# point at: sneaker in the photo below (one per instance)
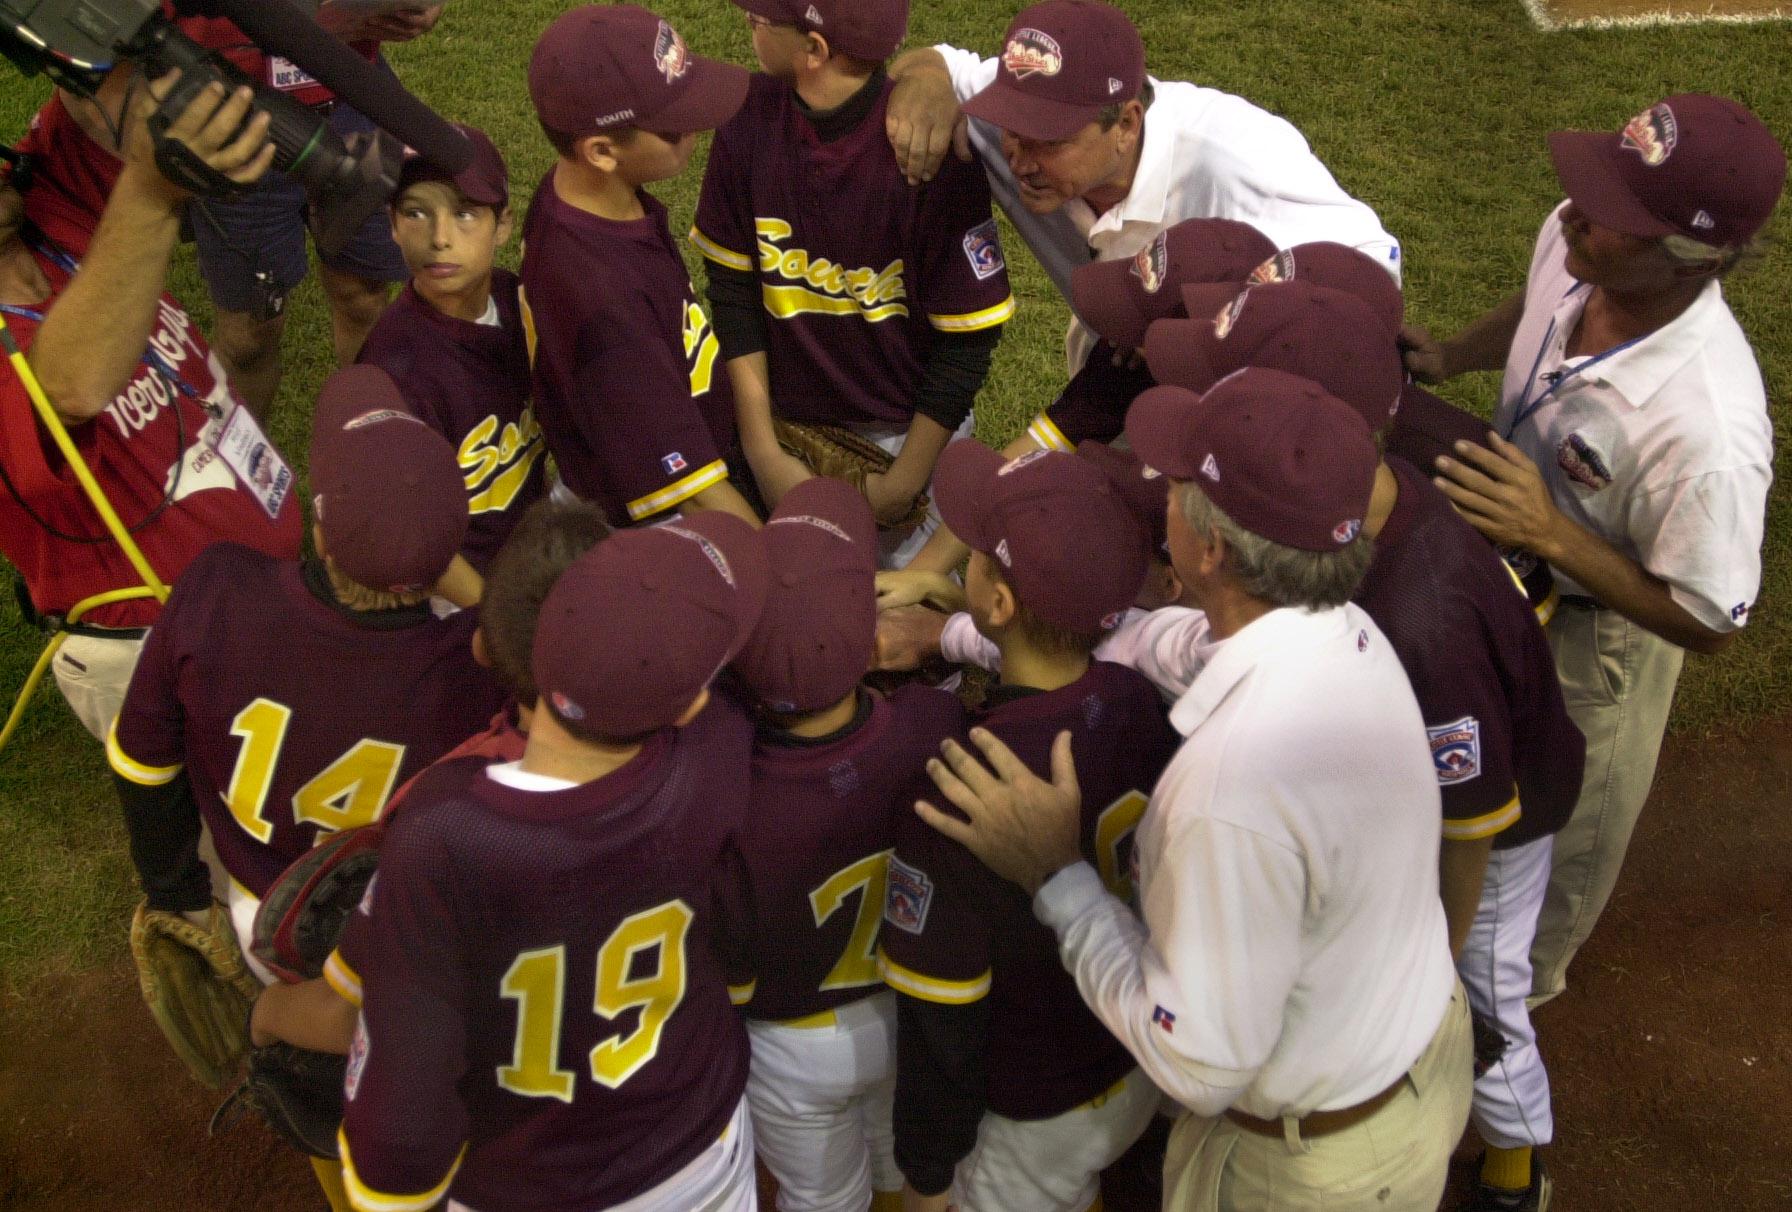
(1534, 1198)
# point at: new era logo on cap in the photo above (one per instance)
(669, 53)
(1210, 468)
(1703, 220)
(1031, 52)
(1652, 134)
(813, 16)
(1115, 85)
(1002, 554)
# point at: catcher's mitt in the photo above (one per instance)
(839, 453)
(301, 917)
(196, 986)
(298, 1092)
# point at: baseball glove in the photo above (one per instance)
(839, 453)
(297, 1091)
(196, 986)
(302, 915)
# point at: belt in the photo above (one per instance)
(1319, 1123)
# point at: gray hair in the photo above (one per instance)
(1720, 257)
(1270, 572)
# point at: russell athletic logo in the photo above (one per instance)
(669, 53)
(1652, 134)
(1032, 53)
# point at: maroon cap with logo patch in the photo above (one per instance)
(1062, 63)
(643, 622)
(1063, 536)
(1341, 267)
(1145, 490)
(484, 180)
(1693, 165)
(865, 29)
(608, 65)
(385, 487)
(818, 632)
(1325, 335)
(1279, 456)
(1120, 299)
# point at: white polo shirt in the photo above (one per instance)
(1161, 644)
(1207, 154)
(1293, 955)
(1663, 448)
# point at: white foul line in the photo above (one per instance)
(1542, 18)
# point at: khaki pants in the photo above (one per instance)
(1618, 682)
(93, 672)
(1394, 1161)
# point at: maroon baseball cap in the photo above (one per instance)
(865, 29)
(818, 632)
(1064, 537)
(1325, 335)
(643, 622)
(1283, 459)
(1693, 165)
(605, 65)
(1145, 490)
(1062, 63)
(1120, 299)
(1341, 267)
(386, 489)
(485, 180)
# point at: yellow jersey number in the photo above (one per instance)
(351, 791)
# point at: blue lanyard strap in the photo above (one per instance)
(1527, 406)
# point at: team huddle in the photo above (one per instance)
(1312, 719)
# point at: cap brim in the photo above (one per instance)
(715, 94)
(741, 547)
(1585, 163)
(1176, 354)
(1100, 296)
(1003, 105)
(961, 489)
(1157, 425)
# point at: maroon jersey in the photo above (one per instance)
(955, 932)
(816, 846)
(470, 382)
(544, 1022)
(1093, 404)
(638, 414)
(291, 714)
(857, 268)
(1508, 757)
(153, 444)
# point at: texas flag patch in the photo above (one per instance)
(1456, 750)
(1164, 1019)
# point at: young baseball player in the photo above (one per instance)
(842, 295)
(834, 769)
(544, 1022)
(1010, 1095)
(453, 338)
(637, 414)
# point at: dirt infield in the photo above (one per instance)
(1671, 1053)
(1574, 14)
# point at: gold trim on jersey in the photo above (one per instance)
(1045, 431)
(720, 255)
(824, 287)
(343, 979)
(369, 1200)
(1475, 828)
(931, 988)
(678, 492)
(976, 321)
(129, 768)
(740, 995)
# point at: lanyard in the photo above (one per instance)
(1528, 406)
(152, 357)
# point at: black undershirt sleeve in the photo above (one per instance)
(939, 1088)
(957, 364)
(737, 310)
(164, 826)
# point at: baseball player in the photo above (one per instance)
(1010, 1096)
(637, 412)
(453, 338)
(842, 295)
(544, 1021)
(834, 769)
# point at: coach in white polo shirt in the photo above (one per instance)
(1290, 983)
(1090, 157)
(1637, 452)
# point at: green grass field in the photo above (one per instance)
(1433, 111)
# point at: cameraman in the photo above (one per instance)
(144, 399)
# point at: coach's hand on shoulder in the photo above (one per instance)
(908, 637)
(209, 127)
(1022, 827)
(1424, 354)
(922, 119)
